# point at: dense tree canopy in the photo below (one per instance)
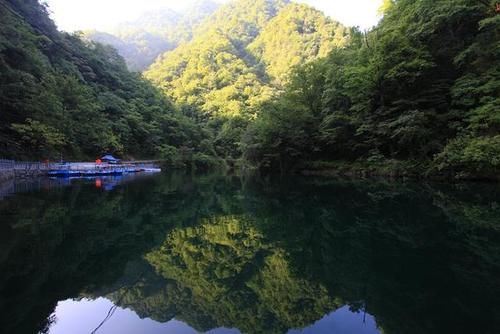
(297, 35)
(424, 85)
(141, 41)
(268, 83)
(61, 95)
(239, 58)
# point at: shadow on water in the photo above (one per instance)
(259, 256)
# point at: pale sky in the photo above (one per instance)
(73, 15)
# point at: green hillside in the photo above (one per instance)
(153, 33)
(64, 96)
(418, 95)
(244, 45)
(139, 48)
(268, 84)
(239, 58)
(297, 35)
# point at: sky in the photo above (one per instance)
(71, 15)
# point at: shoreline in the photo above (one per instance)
(388, 170)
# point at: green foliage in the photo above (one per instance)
(209, 74)
(274, 82)
(422, 85)
(141, 41)
(208, 259)
(471, 156)
(242, 20)
(63, 95)
(297, 35)
(284, 131)
(385, 6)
(39, 137)
(139, 49)
(239, 58)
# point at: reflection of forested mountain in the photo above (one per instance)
(258, 256)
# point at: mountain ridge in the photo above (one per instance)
(142, 40)
(233, 64)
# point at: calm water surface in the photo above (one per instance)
(190, 254)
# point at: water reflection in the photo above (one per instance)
(81, 317)
(222, 254)
(109, 182)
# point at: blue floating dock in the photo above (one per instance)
(92, 172)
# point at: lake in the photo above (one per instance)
(177, 253)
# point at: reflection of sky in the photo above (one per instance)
(82, 317)
(342, 321)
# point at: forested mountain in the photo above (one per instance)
(153, 33)
(139, 48)
(62, 96)
(267, 83)
(239, 58)
(295, 36)
(422, 87)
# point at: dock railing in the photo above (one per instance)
(33, 165)
(7, 164)
(11, 165)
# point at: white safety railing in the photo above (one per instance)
(6, 164)
(10, 165)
